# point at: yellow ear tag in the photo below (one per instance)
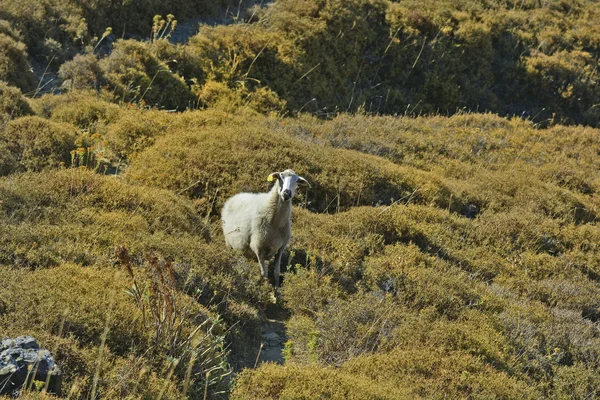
(270, 178)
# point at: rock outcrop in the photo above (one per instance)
(21, 360)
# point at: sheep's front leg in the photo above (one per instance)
(263, 265)
(277, 266)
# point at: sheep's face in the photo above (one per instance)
(287, 183)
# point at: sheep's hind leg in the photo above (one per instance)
(277, 270)
(276, 273)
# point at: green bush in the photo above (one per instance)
(135, 130)
(60, 22)
(576, 381)
(82, 216)
(200, 161)
(407, 58)
(535, 60)
(429, 373)
(565, 83)
(55, 31)
(69, 222)
(343, 329)
(430, 255)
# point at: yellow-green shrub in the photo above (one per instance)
(201, 160)
(34, 144)
(135, 130)
(239, 54)
(422, 280)
(411, 57)
(14, 67)
(407, 58)
(364, 323)
(272, 381)
(306, 292)
(566, 83)
(136, 76)
(12, 102)
(576, 381)
(57, 30)
(548, 339)
(82, 72)
(79, 298)
(427, 373)
(476, 274)
(79, 216)
(338, 48)
(85, 109)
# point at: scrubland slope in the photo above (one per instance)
(438, 253)
(430, 255)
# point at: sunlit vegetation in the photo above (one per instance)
(448, 245)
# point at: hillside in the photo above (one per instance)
(448, 246)
(528, 58)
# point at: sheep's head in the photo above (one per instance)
(287, 183)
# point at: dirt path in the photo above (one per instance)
(273, 339)
(273, 335)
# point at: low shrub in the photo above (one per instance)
(79, 216)
(576, 380)
(430, 255)
(34, 144)
(565, 82)
(86, 109)
(12, 103)
(135, 75)
(546, 339)
(272, 381)
(82, 72)
(199, 161)
(14, 67)
(429, 372)
(135, 130)
(343, 329)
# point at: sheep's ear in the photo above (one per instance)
(273, 176)
(302, 180)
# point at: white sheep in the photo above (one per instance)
(259, 224)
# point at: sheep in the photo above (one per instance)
(259, 224)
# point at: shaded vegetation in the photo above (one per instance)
(536, 60)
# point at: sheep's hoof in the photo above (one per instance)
(275, 296)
